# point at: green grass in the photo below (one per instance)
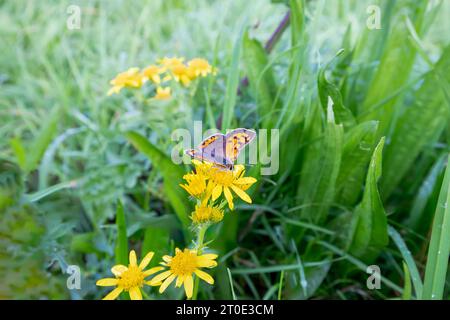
(363, 117)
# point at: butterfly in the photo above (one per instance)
(222, 149)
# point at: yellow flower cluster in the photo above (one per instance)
(159, 74)
(209, 182)
(181, 267)
(206, 184)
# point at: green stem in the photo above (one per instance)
(200, 240)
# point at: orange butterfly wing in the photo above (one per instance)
(236, 140)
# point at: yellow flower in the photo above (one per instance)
(224, 180)
(196, 184)
(200, 67)
(205, 214)
(131, 78)
(130, 279)
(162, 93)
(182, 267)
(152, 73)
(182, 74)
(170, 63)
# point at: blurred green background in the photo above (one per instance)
(358, 184)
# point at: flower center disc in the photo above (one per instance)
(183, 263)
(133, 277)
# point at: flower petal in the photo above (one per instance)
(132, 258)
(151, 271)
(144, 263)
(117, 270)
(217, 191)
(203, 275)
(135, 293)
(107, 282)
(160, 277)
(205, 263)
(113, 294)
(239, 170)
(229, 197)
(180, 280)
(210, 256)
(242, 194)
(167, 258)
(166, 283)
(189, 286)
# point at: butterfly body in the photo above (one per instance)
(222, 149)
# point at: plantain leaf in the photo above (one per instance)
(171, 173)
(319, 174)
(368, 233)
(357, 150)
(420, 125)
(328, 89)
(393, 71)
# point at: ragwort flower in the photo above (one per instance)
(182, 74)
(153, 73)
(200, 67)
(130, 279)
(131, 78)
(182, 267)
(225, 181)
(170, 63)
(196, 184)
(206, 214)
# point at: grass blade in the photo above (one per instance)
(43, 139)
(407, 287)
(50, 190)
(232, 84)
(439, 250)
(260, 78)
(408, 260)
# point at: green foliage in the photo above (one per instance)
(171, 173)
(260, 76)
(421, 124)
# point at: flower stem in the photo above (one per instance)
(200, 240)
